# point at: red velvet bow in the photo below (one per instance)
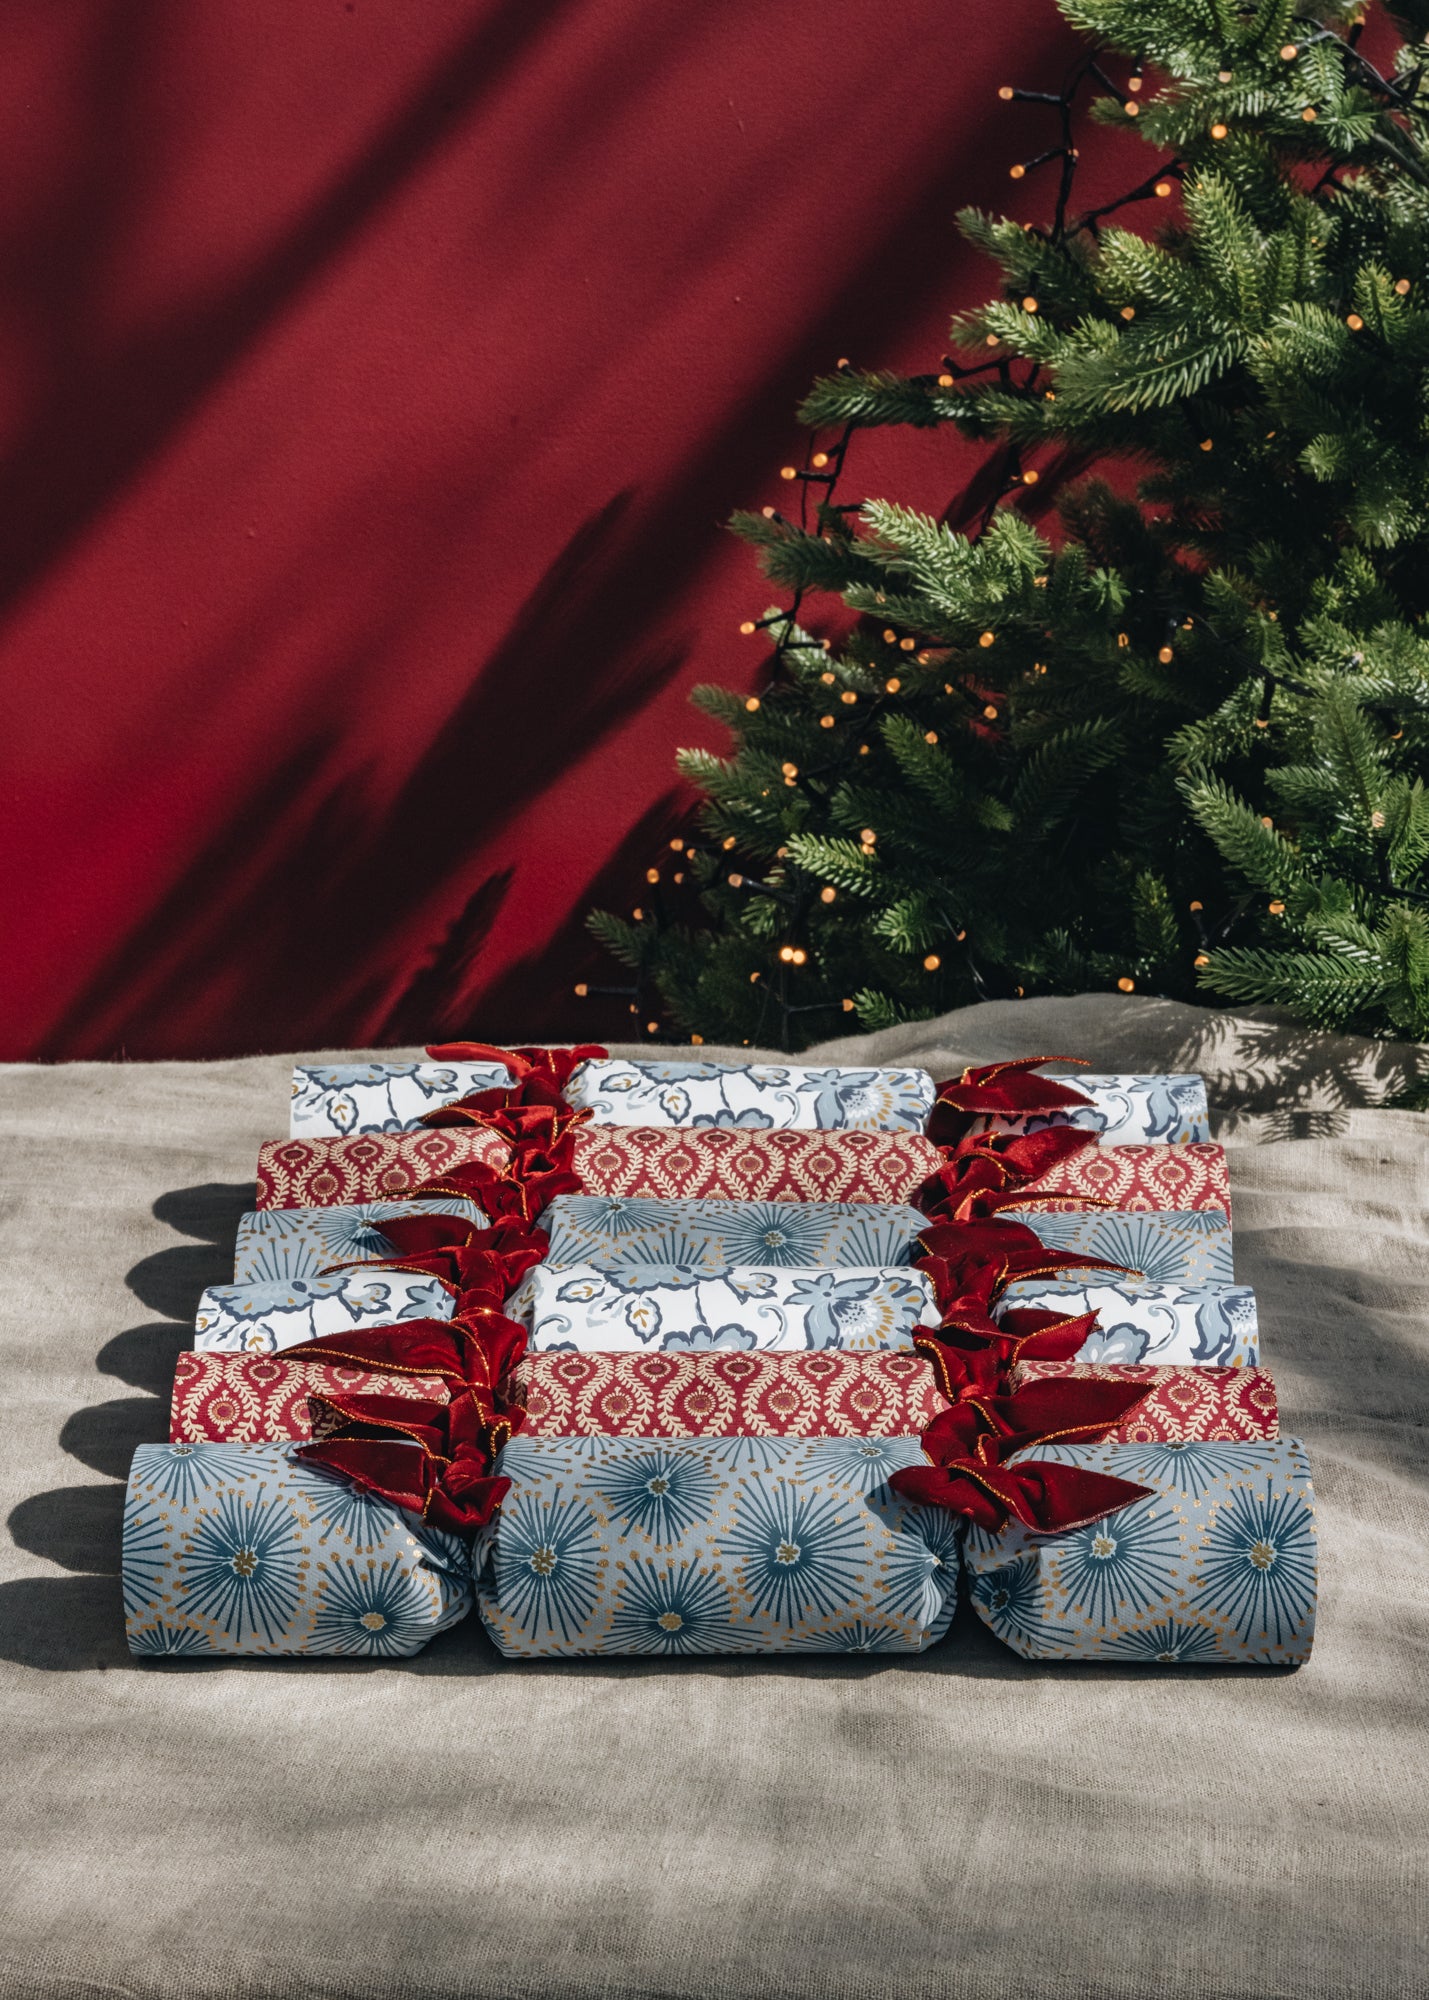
(959, 1253)
(1041, 1494)
(436, 1464)
(969, 1443)
(518, 1191)
(1009, 1089)
(433, 1459)
(467, 1354)
(487, 1262)
(538, 1075)
(973, 1353)
(988, 1172)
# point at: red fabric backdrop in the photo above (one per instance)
(374, 379)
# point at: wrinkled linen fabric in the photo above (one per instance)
(266, 1319)
(281, 1243)
(233, 1548)
(721, 1545)
(1179, 1325)
(1216, 1564)
(856, 1827)
(739, 1307)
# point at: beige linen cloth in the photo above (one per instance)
(959, 1824)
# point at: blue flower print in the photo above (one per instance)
(182, 1472)
(1013, 1602)
(381, 1609)
(748, 1283)
(1190, 1468)
(865, 1463)
(644, 1317)
(347, 1511)
(673, 1610)
(146, 1554)
(861, 1637)
(1168, 1644)
(675, 1103)
(1227, 1330)
(167, 1642)
(777, 1233)
(1124, 1343)
(547, 1567)
(748, 1120)
(613, 1215)
(646, 1277)
(662, 1494)
(368, 1297)
(860, 1313)
(580, 1291)
(1117, 1566)
(798, 1553)
(1257, 1568)
(241, 1569)
(708, 1339)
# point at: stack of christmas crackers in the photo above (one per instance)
(671, 1357)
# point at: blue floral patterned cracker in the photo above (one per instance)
(618, 1233)
(1125, 1110)
(713, 1545)
(1217, 1566)
(264, 1319)
(1210, 1326)
(278, 1244)
(739, 1306)
(753, 1096)
(332, 1100)
(241, 1549)
(1166, 1246)
(335, 1100)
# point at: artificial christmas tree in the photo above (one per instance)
(1181, 745)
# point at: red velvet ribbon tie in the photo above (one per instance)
(488, 1262)
(969, 1442)
(435, 1460)
(989, 1171)
(1006, 1089)
(538, 1075)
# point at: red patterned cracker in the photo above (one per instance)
(372, 1166)
(1140, 1177)
(263, 1398)
(715, 1164)
(824, 1394)
(710, 1163)
(1185, 1405)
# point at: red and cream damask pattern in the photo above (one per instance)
(1184, 1405)
(259, 1398)
(714, 1164)
(825, 1394)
